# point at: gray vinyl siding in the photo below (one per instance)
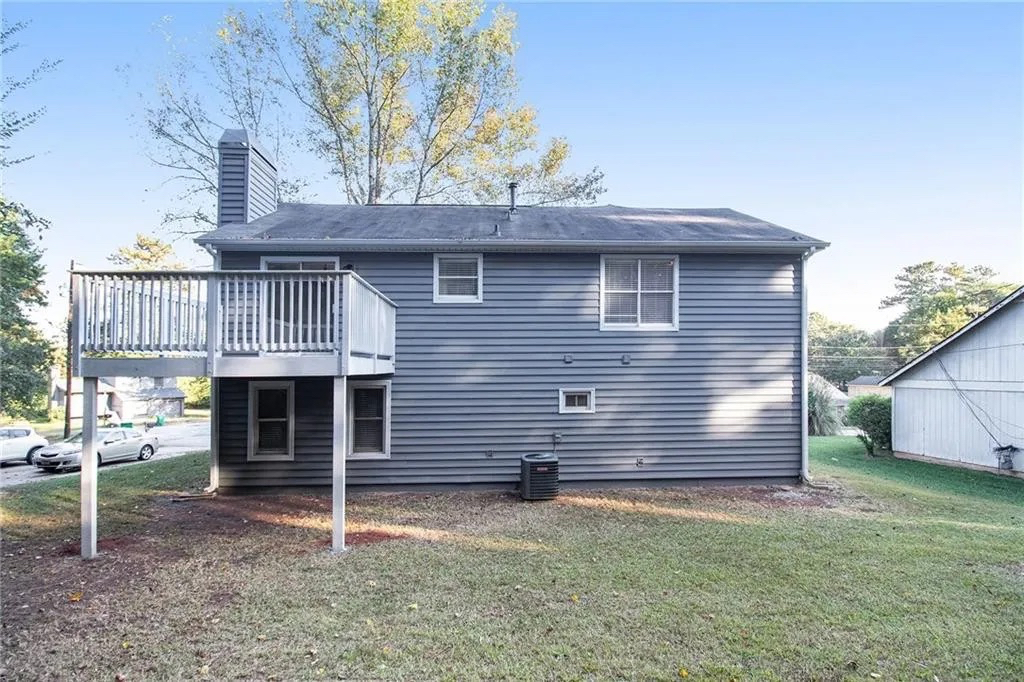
(312, 464)
(476, 385)
(247, 185)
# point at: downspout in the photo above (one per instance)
(214, 404)
(805, 474)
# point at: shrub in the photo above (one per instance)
(197, 392)
(823, 415)
(872, 414)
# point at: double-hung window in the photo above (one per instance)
(271, 420)
(369, 417)
(458, 278)
(639, 292)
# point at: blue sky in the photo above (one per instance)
(892, 130)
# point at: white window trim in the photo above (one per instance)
(251, 455)
(448, 298)
(592, 402)
(266, 260)
(352, 386)
(638, 326)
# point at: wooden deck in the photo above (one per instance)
(251, 323)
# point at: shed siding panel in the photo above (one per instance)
(931, 418)
(476, 385)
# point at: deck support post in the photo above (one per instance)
(89, 467)
(339, 448)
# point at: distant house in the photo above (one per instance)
(962, 401)
(106, 399)
(149, 397)
(867, 385)
(130, 397)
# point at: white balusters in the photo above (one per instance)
(253, 313)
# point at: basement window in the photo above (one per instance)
(271, 421)
(458, 278)
(576, 400)
(369, 418)
(639, 293)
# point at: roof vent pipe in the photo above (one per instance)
(512, 198)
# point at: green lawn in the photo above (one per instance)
(885, 567)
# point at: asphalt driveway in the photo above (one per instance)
(175, 440)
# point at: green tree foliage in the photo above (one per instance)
(146, 253)
(840, 352)
(872, 414)
(824, 417)
(197, 392)
(25, 355)
(937, 300)
(414, 100)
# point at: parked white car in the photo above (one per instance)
(112, 445)
(20, 443)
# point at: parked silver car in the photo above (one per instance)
(112, 445)
(19, 443)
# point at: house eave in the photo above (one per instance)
(548, 246)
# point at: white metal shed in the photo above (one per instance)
(964, 398)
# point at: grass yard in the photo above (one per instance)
(888, 568)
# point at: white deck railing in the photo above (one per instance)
(253, 312)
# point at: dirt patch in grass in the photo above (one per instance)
(1016, 570)
(725, 497)
(778, 497)
(104, 545)
(368, 537)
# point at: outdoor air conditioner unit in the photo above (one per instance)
(539, 476)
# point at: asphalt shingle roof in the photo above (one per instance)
(490, 225)
(865, 380)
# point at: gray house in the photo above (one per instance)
(433, 345)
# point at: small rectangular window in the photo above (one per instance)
(369, 412)
(576, 400)
(458, 278)
(639, 292)
(271, 420)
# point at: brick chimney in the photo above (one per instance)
(246, 179)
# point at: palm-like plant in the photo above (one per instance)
(823, 415)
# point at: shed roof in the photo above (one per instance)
(466, 227)
(865, 380)
(966, 329)
(159, 392)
